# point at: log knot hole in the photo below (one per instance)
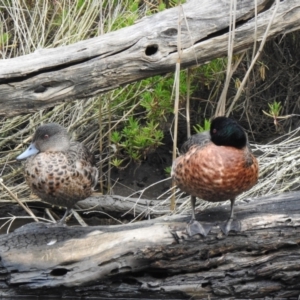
(170, 31)
(151, 50)
(44, 86)
(59, 272)
(40, 89)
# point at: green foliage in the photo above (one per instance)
(80, 4)
(4, 38)
(274, 112)
(158, 101)
(275, 109)
(168, 171)
(161, 6)
(198, 128)
(116, 162)
(142, 131)
(130, 15)
(213, 71)
(136, 140)
(115, 137)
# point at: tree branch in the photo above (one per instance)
(88, 68)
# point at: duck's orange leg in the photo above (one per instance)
(194, 227)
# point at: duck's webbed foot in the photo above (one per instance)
(194, 227)
(230, 225)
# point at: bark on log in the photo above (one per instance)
(155, 259)
(87, 68)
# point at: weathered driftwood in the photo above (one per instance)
(125, 205)
(155, 259)
(87, 68)
(122, 205)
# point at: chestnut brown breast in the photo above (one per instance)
(215, 173)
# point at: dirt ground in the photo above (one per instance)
(137, 177)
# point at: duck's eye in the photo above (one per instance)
(46, 136)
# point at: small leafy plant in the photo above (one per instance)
(274, 112)
(275, 109)
(168, 170)
(142, 132)
(198, 128)
(135, 140)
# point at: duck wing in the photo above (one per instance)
(81, 158)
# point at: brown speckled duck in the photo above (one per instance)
(57, 170)
(215, 165)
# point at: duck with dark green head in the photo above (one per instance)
(215, 165)
(59, 171)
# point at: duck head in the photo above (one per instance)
(227, 132)
(48, 138)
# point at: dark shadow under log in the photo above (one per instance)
(156, 259)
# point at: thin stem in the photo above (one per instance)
(28, 210)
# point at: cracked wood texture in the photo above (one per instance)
(155, 259)
(149, 47)
(115, 204)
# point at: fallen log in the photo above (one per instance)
(149, 47)
(155, 259)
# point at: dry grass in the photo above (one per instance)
(45, 24)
